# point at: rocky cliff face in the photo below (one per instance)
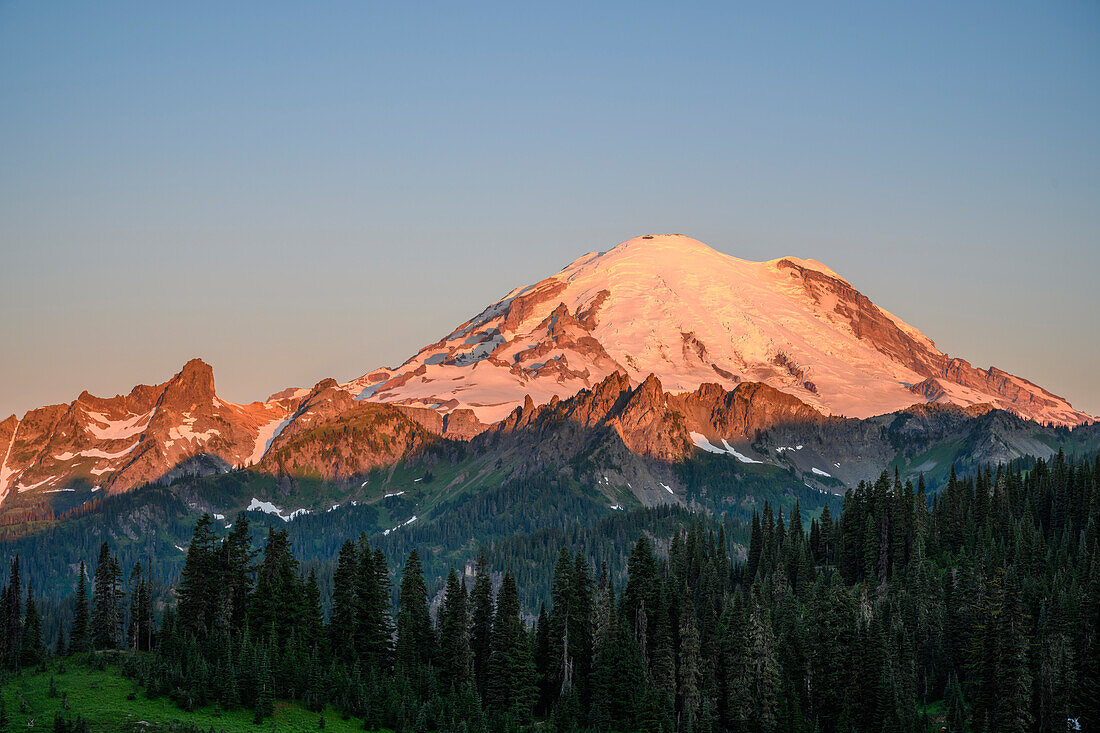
(636, 434)
(113, 444)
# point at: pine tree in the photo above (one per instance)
(33, 650)
(198, 585)
(276, 606)
(61, 649)
(641, 595)
(106, 621)
(342, 622)
(510, 681)
(481, 624)
(236, 567)
(313, 615)
(415, 638)
(140, 611)
(764, 665)
(688, 669)
(455, 657)
(80, 636)
(374, 627)
(11, 609)
(560, 655)
(618, 683)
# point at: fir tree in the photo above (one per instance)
(342, 622)
(198, 585)
(106, 620)
(33, 650)
(415, 640)
(510, 680)
(455, 656)
(80, 637)
(481, 623)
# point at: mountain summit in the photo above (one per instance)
(671, 306)
(665, 319)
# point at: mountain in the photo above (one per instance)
(671, 306)
(152, 433)
(645, 355)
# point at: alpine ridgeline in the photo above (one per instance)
(765, 353)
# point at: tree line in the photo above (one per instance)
(977, 608)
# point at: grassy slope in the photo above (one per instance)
(101, 698)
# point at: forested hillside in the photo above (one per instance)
(977, 608)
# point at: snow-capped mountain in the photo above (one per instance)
(679, 326)
(671, 306)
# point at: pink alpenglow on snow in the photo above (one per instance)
(670, 305)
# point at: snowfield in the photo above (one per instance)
(672, 306)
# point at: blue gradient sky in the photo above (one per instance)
(301, 190)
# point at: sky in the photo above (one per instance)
(294, 191)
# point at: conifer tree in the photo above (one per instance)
(198, 585)
(236, 567)
(342, 622)
(455, 657)
(80, 637)
(11, 609)
(61, 648)
(313, 615)
(415, 639)
(106, 620)
(140, 631)
(688, 666)
(276, 606)
(33, 650)
(372, 597)
(510, 680)
(561, 658)
(481, 623)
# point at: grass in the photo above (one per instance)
(103, 699)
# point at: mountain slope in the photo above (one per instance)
(120, 442)
(671, 306)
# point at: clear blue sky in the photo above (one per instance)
(301, 190)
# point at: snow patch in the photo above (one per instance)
(739, 456)
(104, 428)
(667, 488)
(95, 453)
(268, 508)
(43, 482)
(819, 472)
(406, 523)
(701, 441)
(265, 437)
(184, 430)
